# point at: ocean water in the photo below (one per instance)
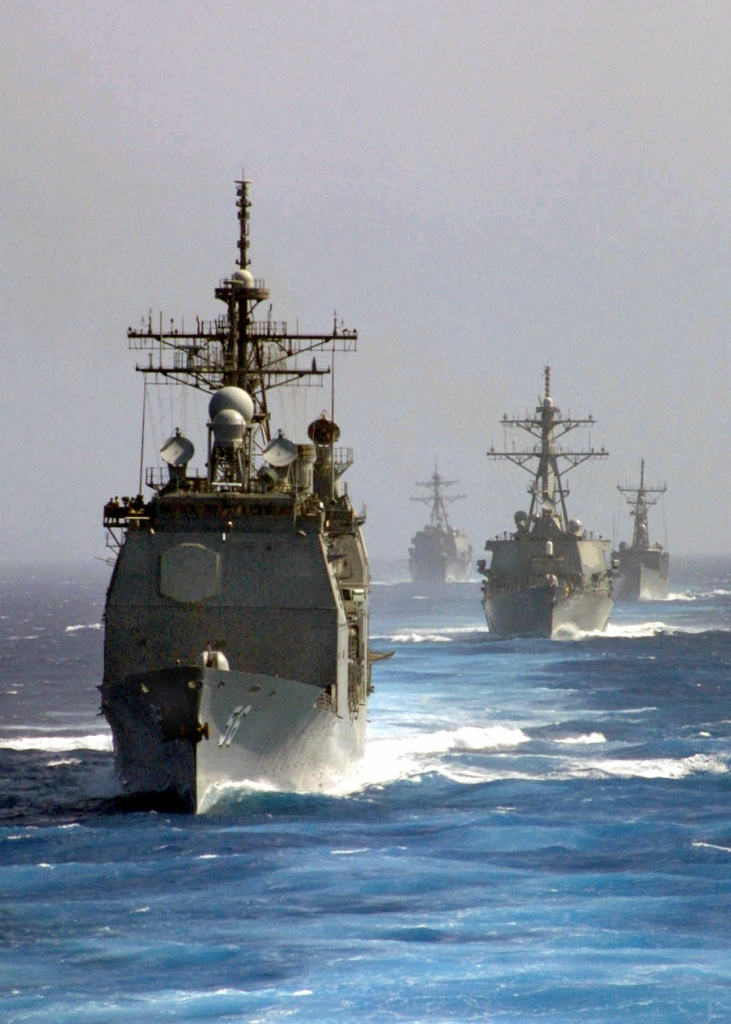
(540, 832)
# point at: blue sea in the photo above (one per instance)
(540, 832)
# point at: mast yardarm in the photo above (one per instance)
(641, 500)
(437, 501)
(547, 489)
(238, 349)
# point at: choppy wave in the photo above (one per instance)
(58, 744)
(634, 631)
(641, 629)
(412, 757)
(698, 595)
(566, 633)
(89, 625)
(652, 768)
(588, 738)
(418, 638)
(439, 635)
(391, 760)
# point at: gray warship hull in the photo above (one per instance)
(541, 612)
(188, 733)
(535, 588)
(642, 575)
(438, 556)
(289, 712)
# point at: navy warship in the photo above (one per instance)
(236, 619)
(549, 574)
(439, 553)
(642, 569)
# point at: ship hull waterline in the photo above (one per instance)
(187, 734)
(439, 571)
(641, 583)
(542, 613)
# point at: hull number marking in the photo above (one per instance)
(232, 724)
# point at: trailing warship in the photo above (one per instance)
(236, 620)
(642, 569)
(439, 553)
(549, 573)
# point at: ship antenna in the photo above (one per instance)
(142, 439)
(547, 378)
(332, 406)
(243, 201)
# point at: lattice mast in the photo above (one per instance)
(547, 489)
(236, 348)
(641, 500)
(437, 501)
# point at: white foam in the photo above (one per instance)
(712, 846)
(59, 744)
(90, 625)
(652, 768)
(418, 638)
(640, 629)
(409, 757)
(591, 737)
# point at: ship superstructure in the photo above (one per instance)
(439, 553)
(549, 574)
(642, 568)
(236, 620)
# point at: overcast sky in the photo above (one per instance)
(480, 188)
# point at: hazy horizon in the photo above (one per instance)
(480, 190)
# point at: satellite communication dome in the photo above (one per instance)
(242, 278)
(234, 398)
(229, 427)
(548, 402)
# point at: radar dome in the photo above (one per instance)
(242, 278)
(228, 426)
(231, 398)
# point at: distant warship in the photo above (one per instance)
(439, 553)
(549, 573)
(236, 620)
(642, 569)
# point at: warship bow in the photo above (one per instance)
(236, 619)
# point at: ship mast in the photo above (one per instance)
(438, 501)
(547, 489)
(641, 501)
(237, 349)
